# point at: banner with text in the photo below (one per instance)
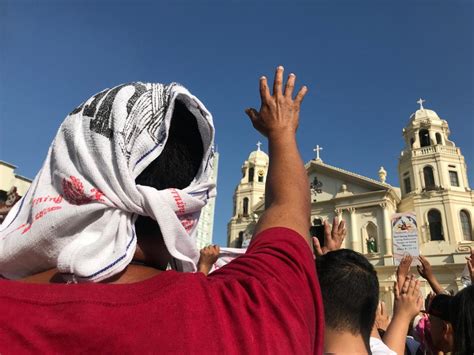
(405, 236)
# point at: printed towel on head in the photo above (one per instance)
(80, 210)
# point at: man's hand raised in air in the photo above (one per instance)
(333, 237)
(287, 199)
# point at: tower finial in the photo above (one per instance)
(420, 101)
(258, 145)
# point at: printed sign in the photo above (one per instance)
(405, 236)
(226, 256)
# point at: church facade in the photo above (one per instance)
(434, 185)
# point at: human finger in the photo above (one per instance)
(290, 85)
(300, 96)
(264, 90)
(396, 291)
(406, 285)
(278, 82)
(411, 286)
(317, 247)
(327, 230)
(341, 226)
(334, 226)
(252, 113)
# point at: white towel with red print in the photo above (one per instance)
(80, 210)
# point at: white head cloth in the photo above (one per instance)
(80, 210)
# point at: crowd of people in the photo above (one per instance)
(85, 254)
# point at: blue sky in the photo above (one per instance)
(366, 63)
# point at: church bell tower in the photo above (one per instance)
(434, 184)
(248, 195)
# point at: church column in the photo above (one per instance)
(387, 228)
(422, 179)
(355, 238)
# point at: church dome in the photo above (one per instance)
(258, 154)
(424, 114)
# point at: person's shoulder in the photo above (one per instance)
(275, 236)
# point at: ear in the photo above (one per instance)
(448, 332)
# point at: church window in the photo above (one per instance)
(436, 225)
(453, 178)
(407, 184)
(240, 240)
(246, 206)
(424, 138)
(251, 173)
(429, 178)
(260, 175)
(466, 225)
(411, 142)
(438, 138)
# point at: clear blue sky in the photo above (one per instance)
(366, 64)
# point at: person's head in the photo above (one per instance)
(462, 308)
(350, 291)
(452, 322)
(441, 329)
(176, 167)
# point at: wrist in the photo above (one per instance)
(283, 136)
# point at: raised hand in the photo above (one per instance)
(333, 237)
(208, 256)
(408, 300)
(382, 319)
(425, 269)
(279, 113)
(403, 269)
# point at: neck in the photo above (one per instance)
(343, 342)
(132, 274)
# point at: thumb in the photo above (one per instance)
(252, 113)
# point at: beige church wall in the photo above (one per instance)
(8, 179)
(332, 185)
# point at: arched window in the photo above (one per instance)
(438, 138)
(466, 225)
(436, 225)
(251, 173)
(240, 240)
(429, 178)
(411, 142)
(424, 138)
(246, 206)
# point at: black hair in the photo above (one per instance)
(177, 164)
(350, 291)
(462, 319)
(181, 157)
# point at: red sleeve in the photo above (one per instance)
(280, 258)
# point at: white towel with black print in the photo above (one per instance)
(79, 212)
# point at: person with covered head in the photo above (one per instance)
(117, 200)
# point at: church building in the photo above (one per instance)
(434, 185)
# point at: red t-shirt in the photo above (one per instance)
(267, 301)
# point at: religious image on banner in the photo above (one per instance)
(405, 237)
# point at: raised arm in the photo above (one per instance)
(426, 272)
(287, 199)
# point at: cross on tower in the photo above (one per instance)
(258, 146)
(317, 150)
(420, 101)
